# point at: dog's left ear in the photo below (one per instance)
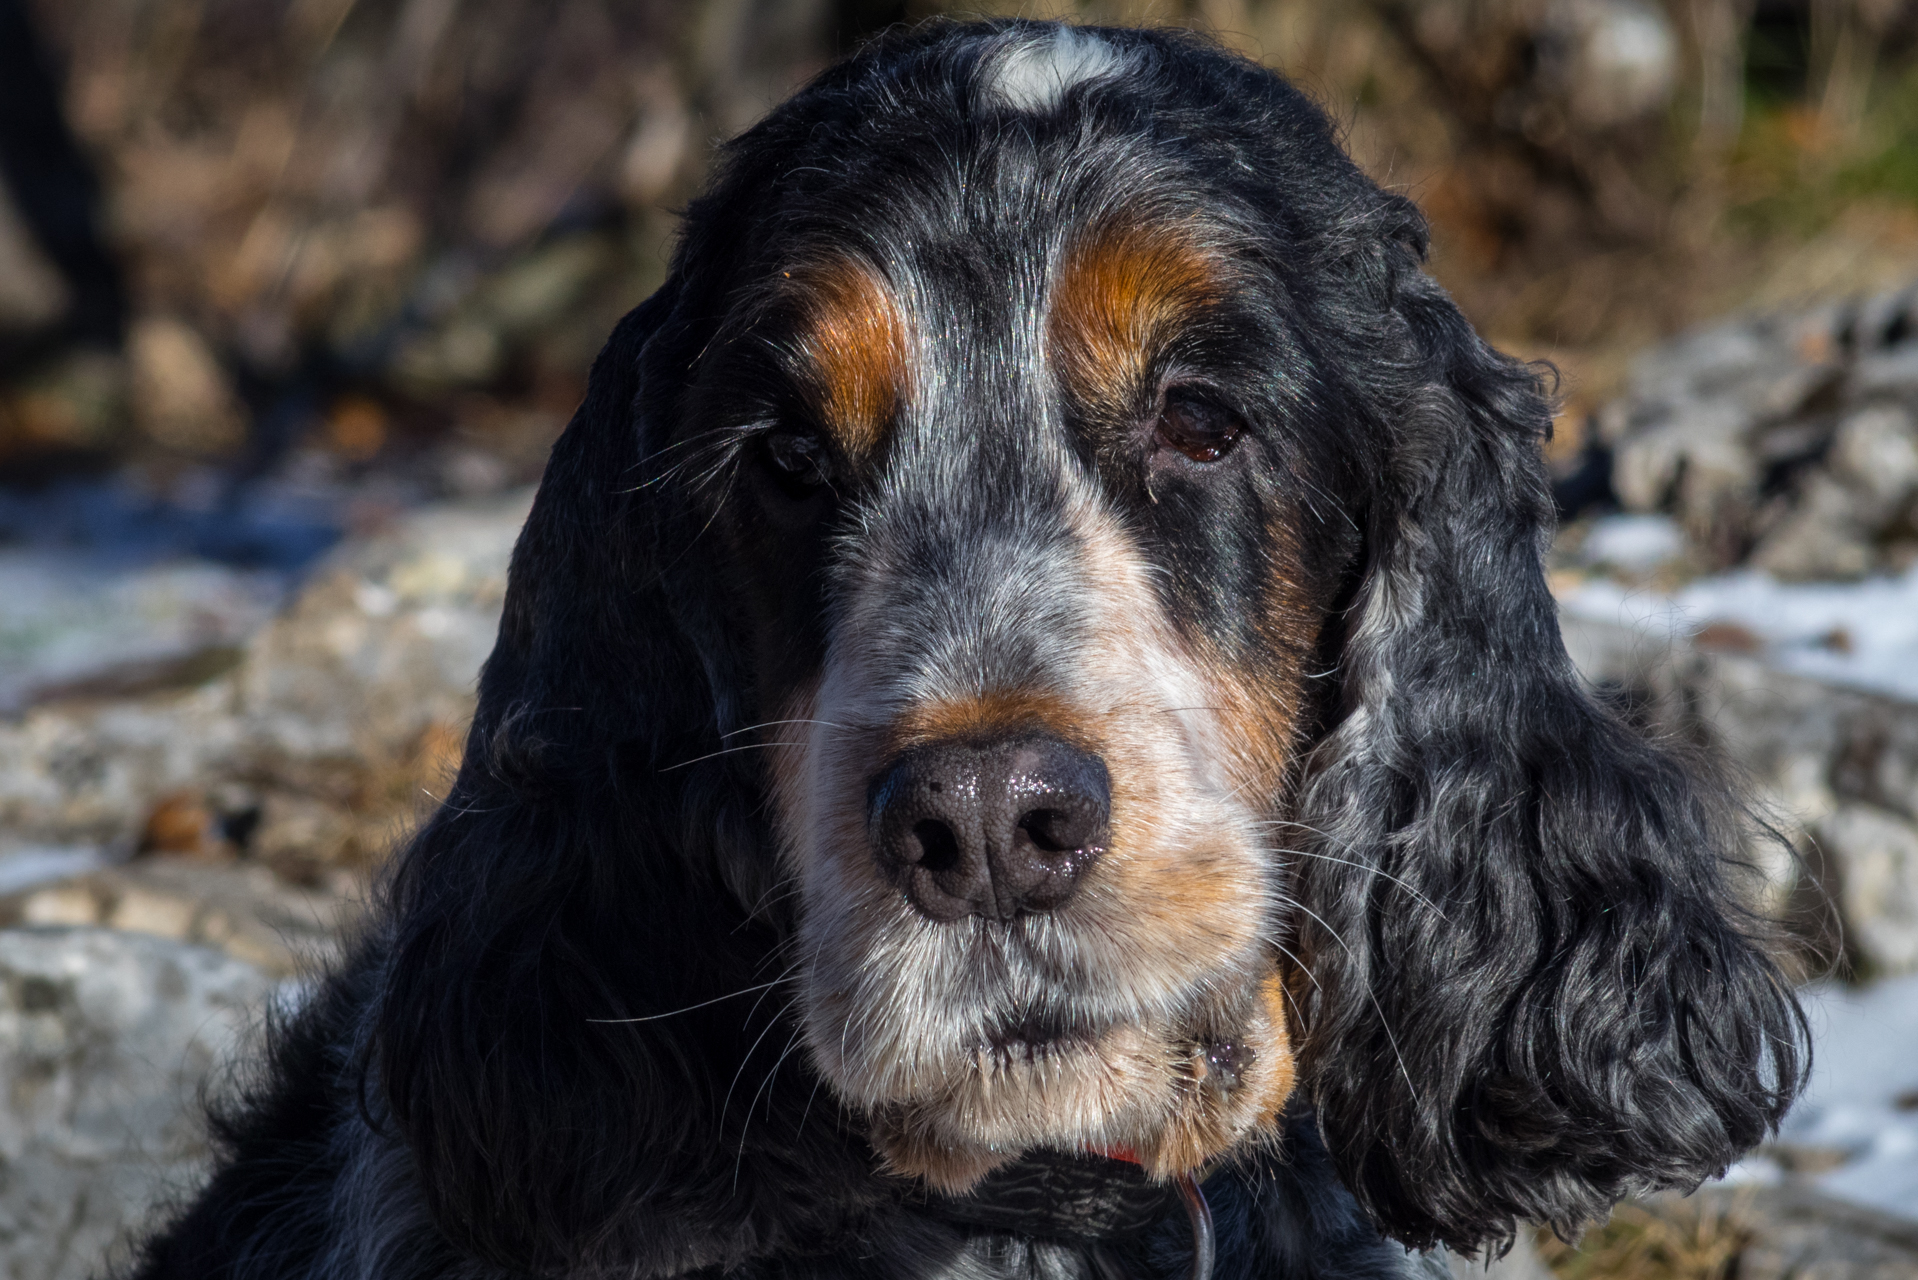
(1534, 987)
(557, 1013)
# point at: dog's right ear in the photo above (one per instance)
(1537, 982)
(558, 913)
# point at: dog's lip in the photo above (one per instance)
(1033, 1035)
(1219, 1059)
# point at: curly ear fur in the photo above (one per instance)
(1535, 990)
(573, 879)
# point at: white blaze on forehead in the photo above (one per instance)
(1032, 73)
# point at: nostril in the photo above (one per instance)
(938, 846)
(1050, 830)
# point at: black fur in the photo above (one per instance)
(1532, 989)
(1536, 993)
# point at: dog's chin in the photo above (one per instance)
(1171, 1097)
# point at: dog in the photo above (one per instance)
(1027, 708)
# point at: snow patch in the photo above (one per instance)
(26, 865)
(1863, 634)
(1862, 1103)
(1638, 543)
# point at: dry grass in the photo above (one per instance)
(1692, 1239)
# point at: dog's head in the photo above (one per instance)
(1053, 573)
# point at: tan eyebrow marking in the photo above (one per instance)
(1121, 293)
(852, 337)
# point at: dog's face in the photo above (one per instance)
(1052, 585)
(1017, 495)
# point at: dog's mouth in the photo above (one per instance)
(1219, 1062)
(1035, 1038)
(1168, 1093)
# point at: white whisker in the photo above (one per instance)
(674, 1013)
(726, 751)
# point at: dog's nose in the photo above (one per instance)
(990, 829)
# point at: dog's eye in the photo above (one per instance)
(1197, 427)
(799, 459)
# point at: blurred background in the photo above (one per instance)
(296, 294)
(386, 236)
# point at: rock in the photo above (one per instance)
(76, 627)
(656, 150)
(1823, 536)
(32, 294)
(1699, 363)
(89, 772)
(383, 648)
(1874, 454)
(1631, 544)
(1884, 319)
(465, 353)
(1877, 758)
(281, 928)
(514, 307)
(1611, 61)
(106, 1039)
(1888, 373)
(61, 904)
(297, 832)
(164, 915)
(352, 701)
(1704, 436)
(1786, 439)
(1785, 392)
(1699, 462)
(1795, 1233)
(181, 396)
(1876, 854)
